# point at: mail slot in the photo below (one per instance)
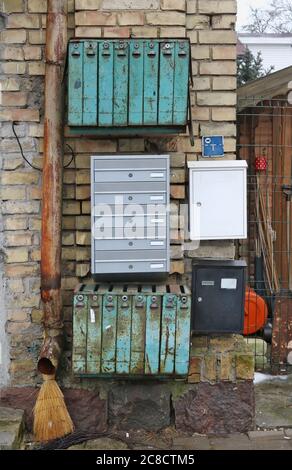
(128, 86)
(218, 296)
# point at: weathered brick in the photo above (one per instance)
(177, 176)
(218, 68)
(16, 255)
(130, 18)
(19, 207)
(214, 7)
(200, 52)
(168, 32)
(82, 192)
(15, 285)
(179, 5)
(12, 53)
(68, 222)
(14, 98)
(131, 145)
(35, 192)
(217, 37)
(177, 267)
(37, 6)
(21, 270)
(35, 254)
(209, 368)
(83, 254)
(224, 52)
(224, 83)
(226, 370)
(177, 191)
(90, 146)
(216, 99)
(13, 68)
(19, 115)
(163, 18)
(37, 37)
(86, 207)
(87, 4)
(83, 177)
(202, 83)
(130, 4)
(82, 269)
(19, 20)
(144, 32)
(83, 222)
(244, 366)
(224, 114)
(198, 22)
(177, 160)
(13, 37)
(32, 52)
(195, 369)
(88, 32)
(116, 32)
(36, 68)
(19, 177)
(71, 208)
(68, 238)
(17, 239)
(200, 113)
(35, 223)
(191, 6)
(36, 130)
(95, 18)
(225, 129)
(12, 193)
(83, 238)
(10, 84)
(15, 223)
(12, 6)
(223, 21)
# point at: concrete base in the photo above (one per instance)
(202, 408)
(274, 403)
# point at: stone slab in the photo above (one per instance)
(139, 406)
(258, 435)
(222, 408)
(274, 403)
(191, 443)
(234, 442)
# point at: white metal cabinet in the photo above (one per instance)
(218, 200)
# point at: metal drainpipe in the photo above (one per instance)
(51, 242)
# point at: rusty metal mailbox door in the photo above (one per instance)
(128, 86)
(131, 331)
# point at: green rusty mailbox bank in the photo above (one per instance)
(128, 87)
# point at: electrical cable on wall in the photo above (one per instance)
(14, 123)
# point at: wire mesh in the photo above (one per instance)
(265, 142)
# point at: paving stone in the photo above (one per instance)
(234, 442)
(191, 443)
(101, 444)
(11, 428)
(270, 444)
(255, 435)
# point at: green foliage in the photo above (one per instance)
(250, 68)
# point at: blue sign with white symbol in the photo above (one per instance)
(213, 146)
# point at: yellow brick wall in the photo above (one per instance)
(210, 26)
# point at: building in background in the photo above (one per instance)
(276, 49)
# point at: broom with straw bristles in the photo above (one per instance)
(51, 418)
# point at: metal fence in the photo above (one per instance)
(265, 142)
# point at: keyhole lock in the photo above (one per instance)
(200, 299)
(130, 198)
(199, 204)
(130, 175)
